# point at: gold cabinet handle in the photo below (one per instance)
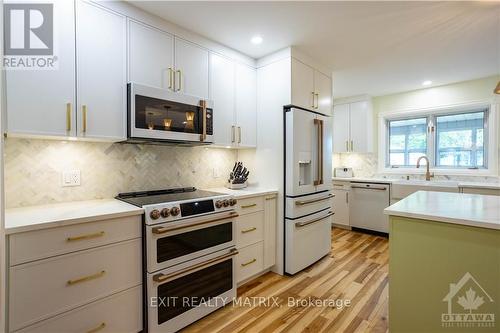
(346, 145)
(248, 230)
(239, 134)
(203, 135)
(84, 116)
(180, 79)
(270, 198)
(233, 134)
(352, 146)
(317, 100)
(98, 328)
(249, 262)
(86, 278)
(313, 95)
(171, 78)
(68, 117)
(249, 206)
(87, 236)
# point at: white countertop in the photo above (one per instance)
(492, 185)
(246, 192)
(467, 209)
(47, 216)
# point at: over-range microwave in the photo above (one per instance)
(161, 116)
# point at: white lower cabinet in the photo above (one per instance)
(341, 207)
(255, 236)
(77, 288)
(478, 190)
(116, 313)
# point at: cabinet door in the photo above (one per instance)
(361, 127)
(101, 66)
(341, 128)
(323, 89)
(191, 64)
(151, 56)
(270, 212)
(222, 89)
(246, 106)
(302, 85)
(341, 207)
(44, 111)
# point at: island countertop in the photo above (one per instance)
(475, 210)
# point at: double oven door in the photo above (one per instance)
(190, 269)
(161, 115)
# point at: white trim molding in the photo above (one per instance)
(493, 146)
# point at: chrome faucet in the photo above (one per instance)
(428, 175)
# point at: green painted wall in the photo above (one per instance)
(425, 258)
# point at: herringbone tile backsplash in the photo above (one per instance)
(33, 169)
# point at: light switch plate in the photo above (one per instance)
(71, 178)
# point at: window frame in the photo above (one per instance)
(490, 138)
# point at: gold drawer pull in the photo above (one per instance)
(248, 263)
(88, 236)
(248, 230)
(98, 328)
(248, 206)
(86, 278)
(270, 198)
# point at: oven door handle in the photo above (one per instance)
(162, 230)
(162, 278)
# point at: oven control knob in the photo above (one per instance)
(232, 202)
(218, 204)
(165, 212)
(175, 211)
(155, 214)
(225, 203)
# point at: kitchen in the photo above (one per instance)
(232, 158)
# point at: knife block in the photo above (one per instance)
(236, 186)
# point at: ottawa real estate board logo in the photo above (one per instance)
(29, 36)
(469, 305)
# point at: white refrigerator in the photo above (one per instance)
(308, 188)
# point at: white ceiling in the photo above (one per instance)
(373, 47)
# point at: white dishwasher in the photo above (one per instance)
(367, 204)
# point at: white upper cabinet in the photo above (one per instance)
(302, 85)
(361, 127)
(311, 89)
(191, 69)
(353, 127)
(323, 90)
(101, 67)
(151, 56)
(246, 105)
(222, 89)
(42, 102)
(341, 128)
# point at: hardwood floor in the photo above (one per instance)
(357, 270)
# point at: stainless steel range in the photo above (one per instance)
(189, 249)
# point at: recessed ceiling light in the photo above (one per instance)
(427, 83)
(256, 40)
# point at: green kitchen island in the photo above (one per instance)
(444, 263)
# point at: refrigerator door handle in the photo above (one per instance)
(319, 181)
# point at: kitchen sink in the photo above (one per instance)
(403, 188)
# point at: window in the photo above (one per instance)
(452, 140)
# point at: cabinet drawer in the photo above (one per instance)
(483, 191)
(250, 205)
(249, 229)
(45, 288)
(40, 244)
(121, 312)
(249, 261)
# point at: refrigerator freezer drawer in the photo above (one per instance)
(308, 239)
(307, 204)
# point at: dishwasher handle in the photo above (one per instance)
(370, 187)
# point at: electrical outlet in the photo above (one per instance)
(71, 178)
